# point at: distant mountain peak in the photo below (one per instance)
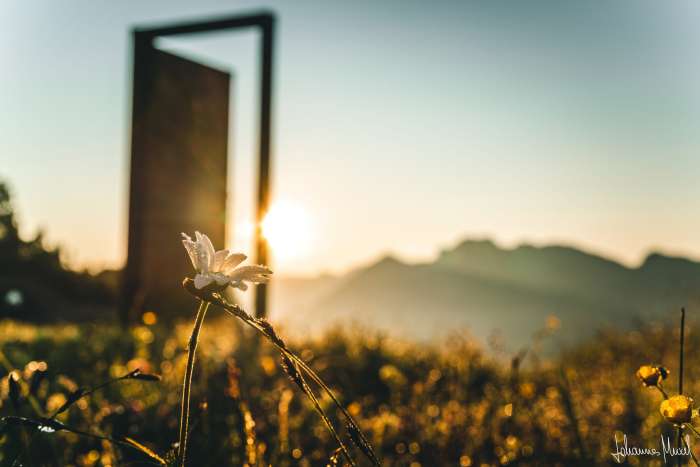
(653, 257)
(484, 286)
(388, 260)
(475, 243)
(485, 248)
(671, 263)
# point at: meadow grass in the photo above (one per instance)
(447, 403)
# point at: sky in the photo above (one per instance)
(401, 126)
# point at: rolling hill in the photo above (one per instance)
(487, 289)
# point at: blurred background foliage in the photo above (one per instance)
(420, 404)
(34, 285)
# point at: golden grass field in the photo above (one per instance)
(447, 403)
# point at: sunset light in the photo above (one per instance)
(287, 228)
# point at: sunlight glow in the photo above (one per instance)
(287, 228)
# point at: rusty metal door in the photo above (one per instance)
(178, 173)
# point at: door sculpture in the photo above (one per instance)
(179, 140)
(178, 171)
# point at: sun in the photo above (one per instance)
(287, 229)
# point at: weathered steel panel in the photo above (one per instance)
(178, 172)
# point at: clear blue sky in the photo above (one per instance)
(401, 126)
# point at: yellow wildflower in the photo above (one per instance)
(651, 375)
(677, 409)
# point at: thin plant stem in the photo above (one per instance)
(679, 434)
(309, 392)
(88, 392)
(302, 364)
(693, 429)
(571, 413)
(317, 379)
(187, 383)
(32, 400)
(67, 405)
(663, 392)
(52, 426)
(237, 311)
(680, 357)
(690, 450)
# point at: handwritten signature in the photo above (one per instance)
(666, 449)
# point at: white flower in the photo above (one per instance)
(219, 266)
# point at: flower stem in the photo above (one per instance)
(692, 455)
(693, 429)
(235, 310)
(680, 356)
(268, 332)
(680, 374)
(187, 383)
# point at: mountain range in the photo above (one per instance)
(493, 292)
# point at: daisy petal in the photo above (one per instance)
(201, 281)
(255, 274)
(191, 248)
(209, 247)
(220, 267)
(220, 278)
(218, 260)
(231, 262)
(204, 254)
